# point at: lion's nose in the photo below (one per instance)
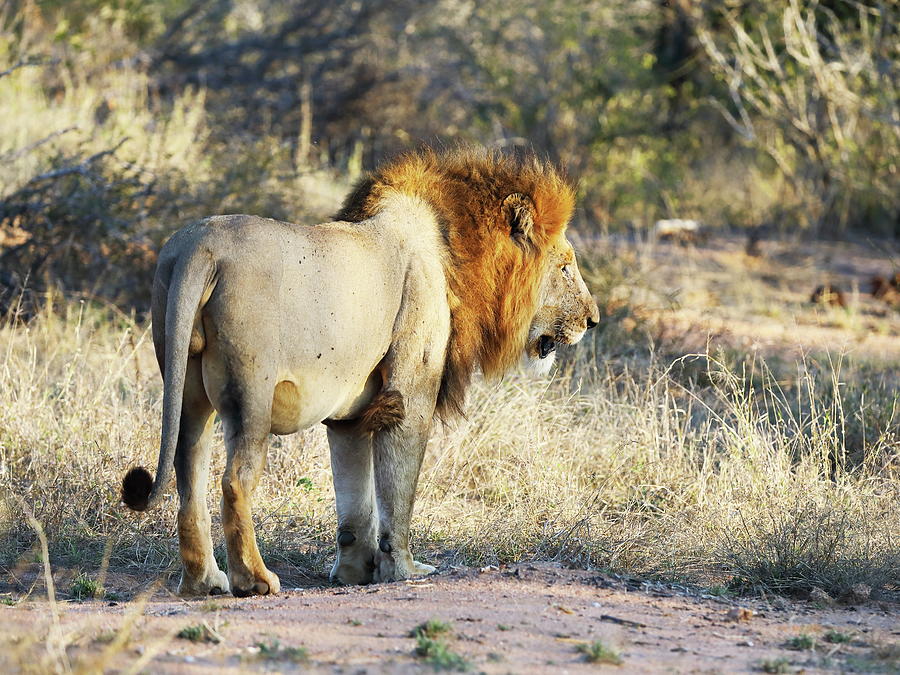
(591, 323)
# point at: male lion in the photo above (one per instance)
(437, 264)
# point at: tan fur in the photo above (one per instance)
(450, 262)
(886, 291)
(243, 553)
(285, 402)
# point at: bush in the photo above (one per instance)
(76, 228)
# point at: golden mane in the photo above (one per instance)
(493, 271)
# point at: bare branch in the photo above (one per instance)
(81, 167)
(33, 146)
(24, 63)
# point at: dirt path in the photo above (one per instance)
(524, 619)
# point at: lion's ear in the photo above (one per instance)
(519, 211)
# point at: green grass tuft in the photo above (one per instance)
(273, 651)
(597, 652)
(432, 628)
(200, 632)
(438, 655)
(837, 637)
(780, 665)
(85, 588)
(802, 642)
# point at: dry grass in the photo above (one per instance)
(79, 101)
(630, 458)
(628, 465)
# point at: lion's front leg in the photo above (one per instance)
(413, 368)
(354, 491)
(398, 459)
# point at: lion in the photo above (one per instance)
(438, 264)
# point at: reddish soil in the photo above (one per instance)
(522, 619)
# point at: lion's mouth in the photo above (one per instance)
(546, 346)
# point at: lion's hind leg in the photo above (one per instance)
(246, 439)
(354, 490)
(200, 574)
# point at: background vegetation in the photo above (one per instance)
(124, 119)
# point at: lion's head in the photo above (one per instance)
(514, 287)
(565, 312)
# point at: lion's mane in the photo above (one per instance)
(493, 279)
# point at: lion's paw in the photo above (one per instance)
(214, 582)
(263, 583)
(352, 572)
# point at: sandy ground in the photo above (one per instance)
(521, 619)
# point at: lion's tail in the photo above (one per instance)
(190, 279)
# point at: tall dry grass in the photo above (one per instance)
(626, 464)
(79, 102)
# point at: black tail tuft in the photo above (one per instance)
(136, 487)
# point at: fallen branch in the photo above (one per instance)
(81, 167)
(622, 622)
